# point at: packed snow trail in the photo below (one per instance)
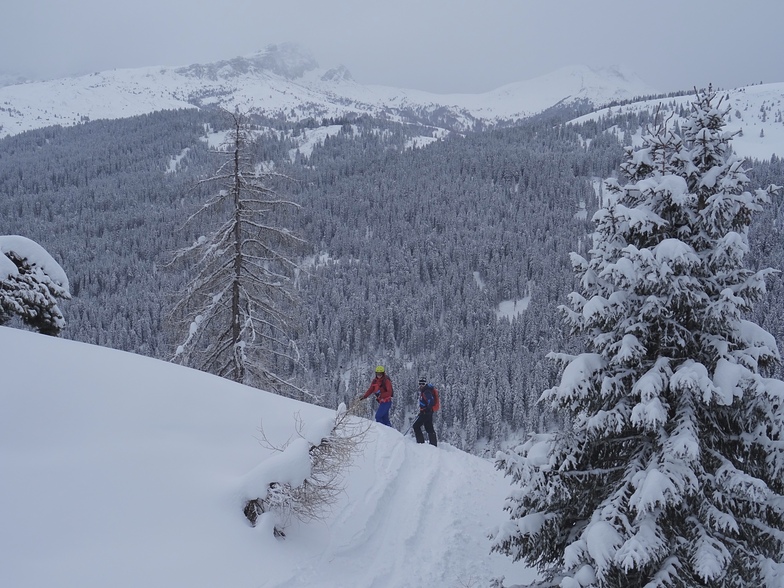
(412, 515)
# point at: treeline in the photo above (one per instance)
(413, 250)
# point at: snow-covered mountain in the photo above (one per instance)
(286, 80)
(756, 116)
(10, 79)
(120, 470)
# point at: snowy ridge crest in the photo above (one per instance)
(198, 452)
(285, 80)
(754, 117)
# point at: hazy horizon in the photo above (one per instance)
(470, 46)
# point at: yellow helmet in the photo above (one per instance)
(380, 369)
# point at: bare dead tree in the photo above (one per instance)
(240, 303)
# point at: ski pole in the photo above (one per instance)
(415, 415)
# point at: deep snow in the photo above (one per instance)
(120, 470)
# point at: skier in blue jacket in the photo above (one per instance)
(427, 401)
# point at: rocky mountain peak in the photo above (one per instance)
(337, 74)
(288, 60)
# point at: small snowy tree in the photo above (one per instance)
(672, 473)
(240, 301)
(31, 284)
(306, 476)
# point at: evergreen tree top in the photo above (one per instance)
(671, 473)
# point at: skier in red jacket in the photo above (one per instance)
(381, 386)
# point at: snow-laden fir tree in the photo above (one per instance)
(31, 285)
(240, 301)
(672, 471)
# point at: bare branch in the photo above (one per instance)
(329, 459)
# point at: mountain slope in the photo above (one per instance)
(755, 117)
(119, 470)
(286, 81)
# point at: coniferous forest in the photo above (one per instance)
(411, 251)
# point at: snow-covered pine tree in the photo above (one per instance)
(31, 285)
(240, 301)
(672, 472)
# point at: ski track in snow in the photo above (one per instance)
(415, 493)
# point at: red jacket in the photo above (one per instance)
(381, 386)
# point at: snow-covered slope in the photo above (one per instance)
(599, 86)
(9, 79)
(120, 470)
(286, 80)
(756, 111)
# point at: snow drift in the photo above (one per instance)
(120, 470)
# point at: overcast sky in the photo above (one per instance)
(435, 45)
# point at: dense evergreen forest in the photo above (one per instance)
(413, 250)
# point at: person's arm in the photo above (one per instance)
(369, 390)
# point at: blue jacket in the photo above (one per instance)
(426, 398)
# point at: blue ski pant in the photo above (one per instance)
(382, 413)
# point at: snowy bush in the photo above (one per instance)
(305, 476)
(31, 283)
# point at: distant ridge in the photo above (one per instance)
(756, 117)
(286, 80)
